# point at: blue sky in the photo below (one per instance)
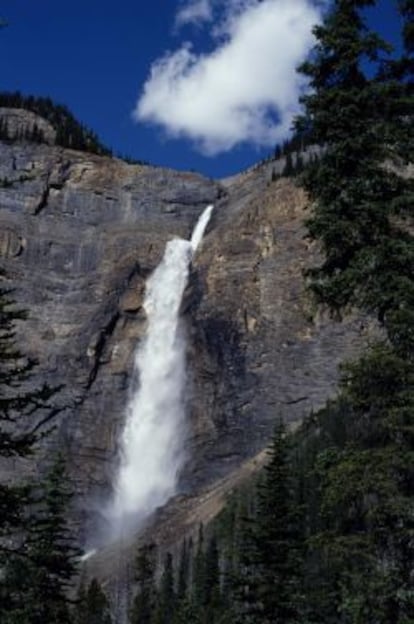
(96, 56)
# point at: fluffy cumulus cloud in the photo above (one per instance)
(246, 89)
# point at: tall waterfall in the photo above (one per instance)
(152, 440)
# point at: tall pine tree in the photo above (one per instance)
(44, 573)
(20, 405)
(360, 199)
(271, 568)
(93, 606)
(361, 109)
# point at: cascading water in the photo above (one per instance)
(152, 440)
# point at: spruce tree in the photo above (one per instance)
(269, 587)
(212, 596)
(359, 203)
(20, 405)
(183, 571)
(362, 205)
(278, 538)
(186, 611)
(93, 606)
(367, 489)
(199, 570)
(288, 169)
(51, 550)
(38, 575)
(166, 598)
(143, 607)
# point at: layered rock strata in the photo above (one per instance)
(79, 234)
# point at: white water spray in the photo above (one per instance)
(151, 443)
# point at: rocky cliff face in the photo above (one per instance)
(21, 122)
(79, 234)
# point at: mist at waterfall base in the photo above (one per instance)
(151, 444)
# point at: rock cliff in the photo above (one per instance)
(79, 234)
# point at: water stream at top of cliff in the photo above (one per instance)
(152, 440)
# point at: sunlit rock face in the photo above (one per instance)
(79, 236)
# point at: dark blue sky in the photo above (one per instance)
(94, 56)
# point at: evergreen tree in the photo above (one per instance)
(38, 577)
(69, 132)
(288, 169)
(277, 152)
(400, 74)
(166, 599)
(359, 203)
(93, 606)
(270, 585)
(143, 607)
(51, 550)
(212, 575)
(199, 570)
(183, 571)
(299, 165)
(367, 489)
(186, 612)
(362, 205)
(19, 404)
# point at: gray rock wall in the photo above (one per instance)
(79, 234)
(20, 121)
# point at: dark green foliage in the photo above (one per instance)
(295, 145)
(198, 580)
(362, 212)
(357, 458)
(19, 404)
(325, 536)
(274, 176)
(288, 169)
(299, 164)
(69, 132)
(166, 599)
(38, 574)
(212, 574)
(185, 612)
(93, 606)
(272, 549)
(183, 571)
(206, 580)
(356, 455)
(145, 601)
(50, 547)
(131, 160)
(294, 165)
(361, 206)
(36, 556)
(17, 401)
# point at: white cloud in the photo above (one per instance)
(194, 12)
(246, 89)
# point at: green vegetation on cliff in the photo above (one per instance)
(69, 132)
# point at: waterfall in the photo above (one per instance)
(152, 439)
